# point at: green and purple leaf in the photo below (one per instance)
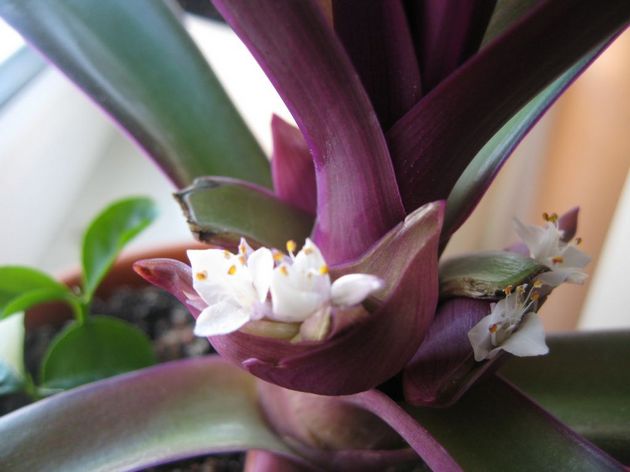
(354, 357)
(434, 142)
(585, 382)
(494, 427)
(356, 185)
(162, 414)
(222, 210)
(292, 167)
(377, 38)
(123, 55)
(482, 170)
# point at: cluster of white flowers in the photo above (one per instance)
(513, 324)
(267, 284)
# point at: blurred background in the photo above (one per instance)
(62, 161)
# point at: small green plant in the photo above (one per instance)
(90, 347)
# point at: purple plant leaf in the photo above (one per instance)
(436, 140)
(444, 366)
(357, 195)
(447, 33)
(292, 167)
(331, 433)
(173, 411)
(356, 357)
(376, 36)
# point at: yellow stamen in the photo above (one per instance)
(521, 289)
(535, 296)
(508, 290)
(201, 276)
(242, 248)
(291, 246)
(578, 241)
(283, 270)
(537, 284)
(552, 218)
(557, 260)
(277, 255)
(323, 270)
(241, 259)
(232, 270)
(493, 328)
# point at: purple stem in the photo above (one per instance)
(357, 195)
(431, 451)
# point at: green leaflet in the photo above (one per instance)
(98, 348)
(23, 287)
(485, 274)
(108, 233)
(220, 211)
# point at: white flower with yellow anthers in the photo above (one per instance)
(242, 287)
(546, 246)
(234, 286)
(301, 290)
(512, 326)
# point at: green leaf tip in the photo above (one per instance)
(108, 234)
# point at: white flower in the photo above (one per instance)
(234, 286)
(236, 289)
(301, 290)
(512, 326)
(546, 246)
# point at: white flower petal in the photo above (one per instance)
(309, 259)
(573, 257)
(260, 264)
(529, 339)
(221, 318)
(210, 273)
(479, 337)
(291, 300)
(553, 278)
(352, 289)
(530, 235)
